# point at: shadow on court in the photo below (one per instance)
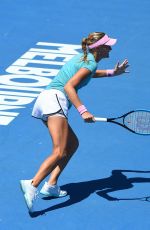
(102, 187)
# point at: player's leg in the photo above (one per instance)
(58, 128)
(71, 147)
(51, 188)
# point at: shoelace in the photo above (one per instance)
(36, 195)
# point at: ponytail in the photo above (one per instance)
(84, 48)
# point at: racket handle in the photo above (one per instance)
(100, 119)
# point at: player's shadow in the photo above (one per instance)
(102, 187)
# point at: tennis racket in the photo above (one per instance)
(136, 121)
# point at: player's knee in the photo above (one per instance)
(58, 152)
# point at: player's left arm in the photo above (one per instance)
(119, 69)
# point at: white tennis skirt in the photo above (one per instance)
(50, 102)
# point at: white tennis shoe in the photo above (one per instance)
(52, 191)
(30, 193)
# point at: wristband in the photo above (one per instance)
(110, 72)
(81, 109)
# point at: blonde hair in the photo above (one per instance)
(92, 38)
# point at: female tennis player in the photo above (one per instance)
(52, 106)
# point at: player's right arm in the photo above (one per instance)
(70, 89)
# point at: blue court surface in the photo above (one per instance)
(109, 176)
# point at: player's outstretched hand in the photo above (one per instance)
(121, 68)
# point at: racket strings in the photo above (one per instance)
(138, 121)
(142, 122)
